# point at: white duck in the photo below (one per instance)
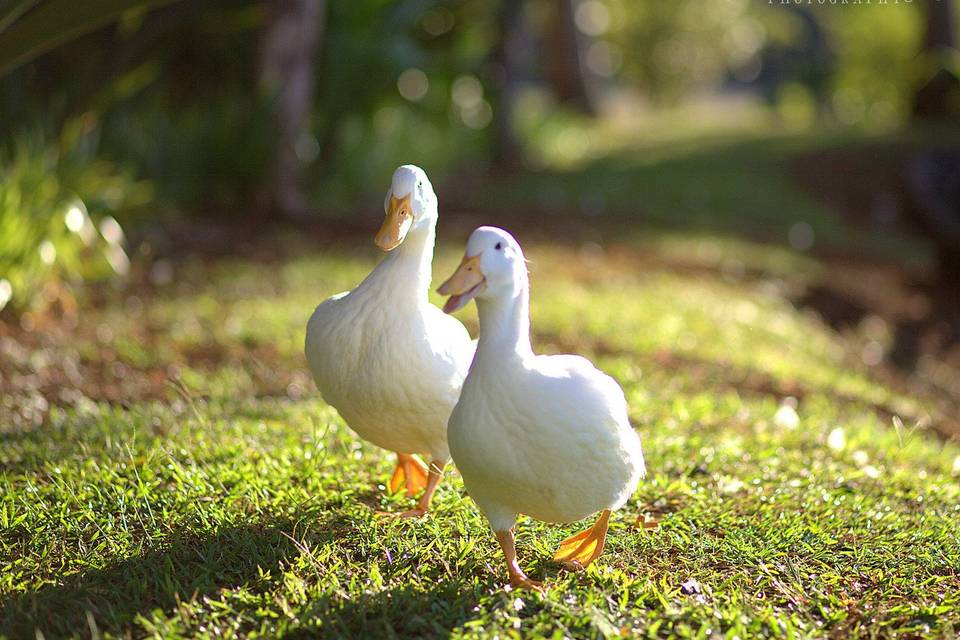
(389, 361)
(546, 436)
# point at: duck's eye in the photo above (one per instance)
(420, 184)
(499, 246)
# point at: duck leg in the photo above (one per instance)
(411, 473)
(580, 550)
(518, 579)
(434, 477)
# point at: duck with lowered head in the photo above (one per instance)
(391, 363)
(545, 436)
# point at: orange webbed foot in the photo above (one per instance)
(577, 552)
(410, 473)
(413, 473)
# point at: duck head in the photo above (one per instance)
(493, 266)
(410, 204)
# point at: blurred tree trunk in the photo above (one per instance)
(938, 95)
(565, 57)
(939, 27)
(290, 41)
(507, 55)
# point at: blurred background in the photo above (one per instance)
(137, 133)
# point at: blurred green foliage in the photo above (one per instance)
(878, 64)
(364, 125)
(167, 74)
(674, 48)
(859, 61)
(175, 97)
(176, 87)
(208, 156)
(59, 210)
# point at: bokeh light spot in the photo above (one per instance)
(307, 148)
(603, 59)
(477, 117)
(48, 252)
(467, 92)
(592, 18)
(6, 292)
(437, 22)
(413, 84)
(74, 218)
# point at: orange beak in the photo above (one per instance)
(466, 283)
(396, 225)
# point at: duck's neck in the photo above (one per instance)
(407, 270)
(505, 323)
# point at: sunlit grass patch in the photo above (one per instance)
(235, 502)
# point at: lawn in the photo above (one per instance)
(188, 480)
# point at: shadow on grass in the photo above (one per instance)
(404, 611)
(449, 604)
(192, 567)
(187, 568)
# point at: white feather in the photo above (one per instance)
(545, 436)
(389, 361)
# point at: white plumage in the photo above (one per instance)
(545, 436)
(389, 361)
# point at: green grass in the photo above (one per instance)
(230, 501)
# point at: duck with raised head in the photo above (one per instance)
(545, 436)
(391, 363)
